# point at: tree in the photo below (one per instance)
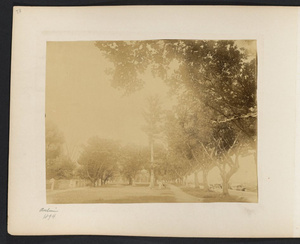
(153, 117)
(58, 165)
(176, 168)
(132, 161)
(62, 168)
(219, 77)
(130, 62)
(98, 159)
(188, 129)
(179, 152)
(160, 161)
(54, 141)
(219, 74)
(109, 173)
(227, 149)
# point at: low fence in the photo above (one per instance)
(66, 184)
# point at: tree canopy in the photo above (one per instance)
(218, 74)
(132, 160)
(99, 159)
(58, 165)
(214, 82)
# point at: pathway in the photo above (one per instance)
(181, 196)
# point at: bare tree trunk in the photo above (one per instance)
(129, 181)
(225, 179)
(226, 176)
(225, 186)
(152, 170)
(196, 181)
(151, 178)
(205, 182)
(93, 180)
(185, 180)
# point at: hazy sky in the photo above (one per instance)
(81, 102)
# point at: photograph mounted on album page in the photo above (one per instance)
(180, 125)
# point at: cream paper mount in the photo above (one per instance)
(53, 51)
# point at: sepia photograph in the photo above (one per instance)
(127, 125)
(151, 121)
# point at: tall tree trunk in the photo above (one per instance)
(151, 178)
(205, 182)
(196, 181)
(226, 176)
(152, 162)
(225, 186)
(92, 179)
(185, 180)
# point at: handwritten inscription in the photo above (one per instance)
(48, 213)
(49, 216)
(49, 210)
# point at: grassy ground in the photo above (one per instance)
(141, 193)
(211, 196)
(111, 194)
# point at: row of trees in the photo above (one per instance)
(212, 124)
(103, 159)
(181, 154)
(100, 159)
(214, 121)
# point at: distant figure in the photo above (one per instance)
(161, 185)
(52, 181)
